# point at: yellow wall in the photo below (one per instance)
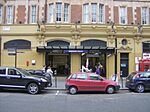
(75, 62)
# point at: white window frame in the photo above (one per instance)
(1, 14)
(123, 14)
(51, 13)
(58, 12)
(144, 15)
(86, 13)
(101, 13)
(33, 18)
(93, 12)
(10, 14)
(66, 13)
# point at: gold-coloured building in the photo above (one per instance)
(76, 36)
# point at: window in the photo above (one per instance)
(124, 42)
(9, 14)
(86, 13)
(101, 13)
(3, 71)
(73, 76)
(66, 12)
(94, 77)
(82, 76)
(51, 13)
(94, 12)
(144, 15)
(13, 72)
(33, 14)
(1, 14)
(123, 15)
(18, 44)
(58, 12)
(145, 75)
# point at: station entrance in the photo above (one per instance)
(93, 61)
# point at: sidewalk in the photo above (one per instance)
(59, 83)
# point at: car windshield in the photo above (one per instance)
(23, 71)
(131, 75)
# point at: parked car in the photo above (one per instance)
(11, 77)
(41, 73)
(90, 82)
(138, 81)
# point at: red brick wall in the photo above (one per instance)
(76, 13)
(130, 15)
(138, 15)
(116, 15)
(107, 9)
(21, 14)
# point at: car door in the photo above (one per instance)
(14, 78)
(82, 82)
(96, 83)
(147, 75)
(2, 77)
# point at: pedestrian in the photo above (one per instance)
(49, 71)
(98, 70)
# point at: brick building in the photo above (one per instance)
(72, 32)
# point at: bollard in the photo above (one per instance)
(55, 73)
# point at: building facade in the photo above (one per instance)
(67, 34)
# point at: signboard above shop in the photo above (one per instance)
(75, 51)
(146, 55)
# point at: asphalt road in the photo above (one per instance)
(60, 101)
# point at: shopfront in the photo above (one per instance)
(66, 58)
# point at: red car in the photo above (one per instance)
(90, 82)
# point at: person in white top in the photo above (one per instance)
(50, 72)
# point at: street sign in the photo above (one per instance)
(11, 51)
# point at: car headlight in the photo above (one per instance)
(43, 80)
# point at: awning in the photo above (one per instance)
(76, 49)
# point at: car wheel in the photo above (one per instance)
(110, 90)
(72, 90)
(140, 88)
(33, 88)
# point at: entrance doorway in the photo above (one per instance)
(124, 64)
(59, 62)
(95, 60)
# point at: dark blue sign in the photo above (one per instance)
(75, 51)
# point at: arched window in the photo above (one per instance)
(58, 43)
(94, 43)
(18, 44)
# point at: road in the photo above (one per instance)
(60, 101)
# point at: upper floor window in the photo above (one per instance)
(123, 15)
(93, 13)
(66, 12)
(144, 15)
(33, 14)
(86, 13)
(1, 9)
(9, 14)
(51, 13)
(58, 12)
(101, 13)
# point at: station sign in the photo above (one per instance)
(75, 51)
(11, 51)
